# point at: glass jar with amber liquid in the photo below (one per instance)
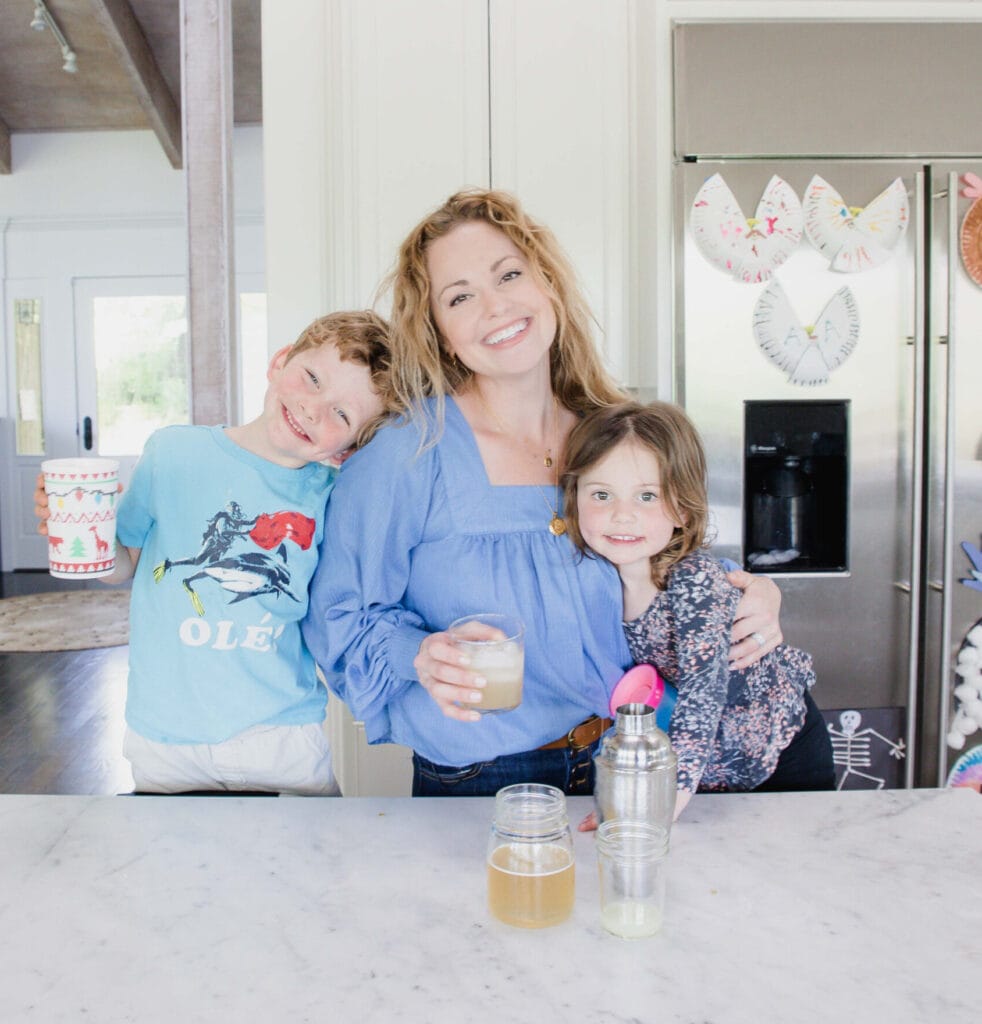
(530, 857)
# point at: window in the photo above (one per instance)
(27, 368)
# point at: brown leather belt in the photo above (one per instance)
(581, 735)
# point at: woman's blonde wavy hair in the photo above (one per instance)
(665, 431)
(423, 367)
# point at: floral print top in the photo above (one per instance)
(728, 728)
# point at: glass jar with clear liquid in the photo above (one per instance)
(530, 857)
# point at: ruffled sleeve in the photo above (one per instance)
(357, 628)
(701, 606)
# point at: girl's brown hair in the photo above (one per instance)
(665, 431)
(422, 366)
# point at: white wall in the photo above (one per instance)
(107, 204)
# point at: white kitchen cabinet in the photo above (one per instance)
(560, 129)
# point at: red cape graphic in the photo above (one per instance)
(271, 530)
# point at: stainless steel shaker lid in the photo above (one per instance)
(636, 743)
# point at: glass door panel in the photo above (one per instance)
(29, 424)
(133, 367)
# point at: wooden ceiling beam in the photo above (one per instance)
(126, 37)
(6, 164)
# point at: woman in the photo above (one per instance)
(456, 510)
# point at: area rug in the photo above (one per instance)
(69, 620)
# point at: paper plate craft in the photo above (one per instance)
(967, 770)
(967, 689)
(807, 353)
(971, 235)
(854, 238)
(746, 248)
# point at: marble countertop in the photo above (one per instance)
(781, 907)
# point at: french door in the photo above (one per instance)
(95, 375)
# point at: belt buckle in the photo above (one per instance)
(571, 739)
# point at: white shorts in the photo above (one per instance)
(292, 759)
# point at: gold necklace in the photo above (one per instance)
(557, 525)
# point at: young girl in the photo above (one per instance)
(634, 491)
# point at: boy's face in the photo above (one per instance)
(316, 403)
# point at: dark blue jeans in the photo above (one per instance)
(806, 762)
(568, 770)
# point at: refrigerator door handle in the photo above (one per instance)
(917, 478)
(948, 524)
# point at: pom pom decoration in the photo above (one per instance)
(973, 709)
(748, 249)
(956, 740)
(969, 656)
(854, 238)
(967, 693)
(806, 353)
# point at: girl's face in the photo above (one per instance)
(492, 313)
(621, 512)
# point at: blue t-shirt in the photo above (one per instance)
(420, 539)
(229, 544)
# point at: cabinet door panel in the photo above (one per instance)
(561, 141)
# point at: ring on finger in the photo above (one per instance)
(759, 637)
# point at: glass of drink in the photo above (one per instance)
(632, 857)
(495, 645)
(530, 857)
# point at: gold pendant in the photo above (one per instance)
(547, 461)
(557, 526)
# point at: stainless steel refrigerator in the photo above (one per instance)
(838, 393)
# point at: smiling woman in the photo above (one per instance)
(457, 511)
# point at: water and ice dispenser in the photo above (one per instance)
(796, 486)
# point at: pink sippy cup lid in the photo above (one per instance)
(639, 685)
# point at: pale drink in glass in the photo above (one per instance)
(495, 647)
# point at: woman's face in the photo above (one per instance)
(491, 312)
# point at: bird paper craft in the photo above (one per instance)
(975, 557)
(749, 249)
(806, 353)
(967, 689)
(971, 234)
(854, 238)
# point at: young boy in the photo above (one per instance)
(219, 529)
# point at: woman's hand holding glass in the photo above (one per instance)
(442, 671)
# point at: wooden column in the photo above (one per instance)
(6, 164)
(206, 104)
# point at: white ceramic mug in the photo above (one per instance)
(82, 495)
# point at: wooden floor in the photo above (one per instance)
(61, 713)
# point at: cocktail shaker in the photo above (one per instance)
(636, 770)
